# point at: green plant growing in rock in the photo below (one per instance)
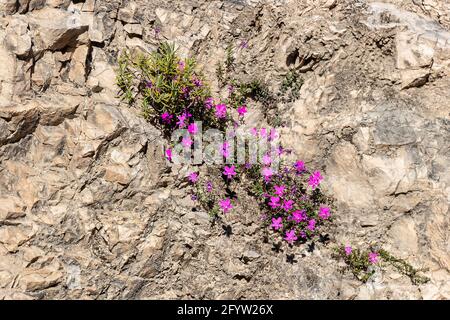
(169, 89)
(361, 263)
(291, 85)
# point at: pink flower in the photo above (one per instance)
(324, 212)
(300, 166)
(274, 202)
(187, 142)
(209, 102)
(263, 132)
(314, 179)
(197, 82)
(267, 160)
(348, 250)
(373, 257)
(267, 173)
(287, 205)
(254, 132)
(181, 121)
(273, 134)
(221, 111)
(166, 117)
(209, 186)
(311, 225)
(299, 216)
(169, 154)
(279, 190)
(225, 151)
(242, 110)
(229, 172)
(290, 236)
(193, 177)
(277, 223)
(193, 128)
(225, 205)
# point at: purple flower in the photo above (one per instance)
(209, 186)
(242, 110)
(287, 205)
(230, 88)
(229, 172)
(193, 128)
(277, 223)
(149, 84)
(273, 135)
(166, 117)
(197, 82)
(209, 102)
(373, 257)
(254, 132)
(314, 179)
(181, 121)
(225, 150)
(221, 111)
(300, 166)
(279, 190)
(187, 142)
(290, 236)
(324, 212)
(311, 225)
(274, 202)
(193, 177)
(267, 173)
(263, 132)
(225, 205)
(243, 44)
(185, 91)
(348, 250)
(299, 216)
(169, 154)
(267, 160)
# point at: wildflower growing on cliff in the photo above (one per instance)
(181, 121)
(254, 132)
(242, 110)
(273, 135)
(149, 84)
(209, 102)
(193, 177)
(274, 202)
(287, 205)
(193, 128)
(373, 257)
(311, 225)
(221, 111)
(279, 190)
(225, 205)
(263, 132)
(267, 160)
(197, 82)
(169, 154)
(290, 236)
(267, 173)
(299, 166)
(299, 216)
(229, 172)
(348, 250)
(166, 117)
(324, 212)
(225, 150)
(315, 179)
(209, 186)
(277, 223)
(187, 142)
(243, 44)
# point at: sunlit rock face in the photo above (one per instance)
(89, 208)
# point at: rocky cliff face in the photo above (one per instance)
(89, 208)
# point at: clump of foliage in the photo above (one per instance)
(291, 85)
(361, 263)
(169, 89)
